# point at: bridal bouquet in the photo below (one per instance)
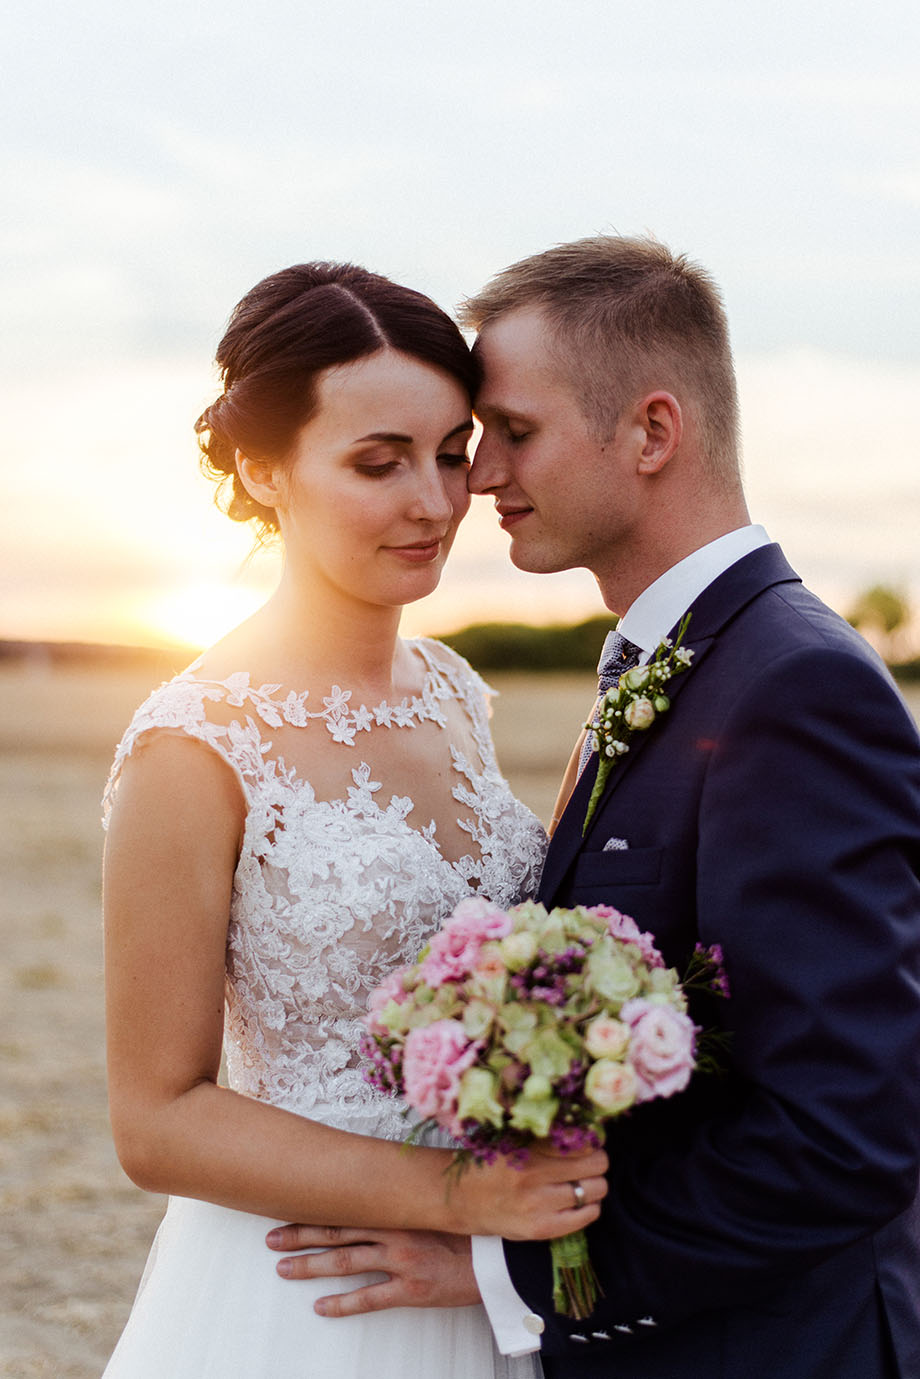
(528, 1024)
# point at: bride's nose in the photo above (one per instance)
(431, 501)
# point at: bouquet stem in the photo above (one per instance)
(575, 1285)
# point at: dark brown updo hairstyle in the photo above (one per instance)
(284, 333)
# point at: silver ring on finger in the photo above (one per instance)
(579, 1195)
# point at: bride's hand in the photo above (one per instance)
(537, 1200)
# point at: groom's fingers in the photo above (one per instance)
(301, 1237)
(374, 1298)
(337, 1263)
(424, 1271)
(422, 1268)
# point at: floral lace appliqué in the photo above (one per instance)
(330, 896)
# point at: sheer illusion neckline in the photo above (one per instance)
(332, 895)
(343, 719)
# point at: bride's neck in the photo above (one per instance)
(324, 638)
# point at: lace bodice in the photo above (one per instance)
(330, 895)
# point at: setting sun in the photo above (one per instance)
(198, 615)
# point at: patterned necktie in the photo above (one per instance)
(618, 656)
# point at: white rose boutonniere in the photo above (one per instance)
(632, 707)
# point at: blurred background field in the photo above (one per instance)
(76, 1231)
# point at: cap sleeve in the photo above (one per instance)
(186, 707)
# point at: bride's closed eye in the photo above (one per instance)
(377, 471)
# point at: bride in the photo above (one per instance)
(290, 819)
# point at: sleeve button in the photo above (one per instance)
(534, 1324)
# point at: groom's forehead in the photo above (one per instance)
(515, 359)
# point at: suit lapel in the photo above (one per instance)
(712, 611)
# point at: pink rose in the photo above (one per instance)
(624, 927)
(390, 989)
(476, 910)
(454, 952)
(436, 1057)
(661, 1049)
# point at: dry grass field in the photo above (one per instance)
(75, 1231)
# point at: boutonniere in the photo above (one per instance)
(632, 707)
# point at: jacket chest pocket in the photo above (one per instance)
(599, 871)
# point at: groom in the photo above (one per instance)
(764, 1223)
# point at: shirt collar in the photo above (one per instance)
(651, 616)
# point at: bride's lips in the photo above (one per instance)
(419, 553)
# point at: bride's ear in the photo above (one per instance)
(261, 479)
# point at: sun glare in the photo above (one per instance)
(200, 614)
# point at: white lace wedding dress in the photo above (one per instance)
(329, 896)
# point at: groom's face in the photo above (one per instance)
(564, 497)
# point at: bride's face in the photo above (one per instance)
(371, 498)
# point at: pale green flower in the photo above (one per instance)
(477, 1100)
(536, 1116)
(637, 678)
(663, 980)
(520, 1025)
(396, 1017)
(518, 949)
(548, 1054)
(537, 1088)
(530, 914)
(477, 1018)
(611, 975)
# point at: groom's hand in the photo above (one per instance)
(423, 1268)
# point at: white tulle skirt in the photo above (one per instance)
(211, 1306)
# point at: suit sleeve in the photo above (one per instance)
(809, 877)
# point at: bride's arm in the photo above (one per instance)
(171, 852)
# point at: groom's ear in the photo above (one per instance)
(660, 418)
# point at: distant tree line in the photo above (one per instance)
(520, 646)
(883, 614)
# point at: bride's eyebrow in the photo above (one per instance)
(459, 430)
(383, 436)
(394, 437)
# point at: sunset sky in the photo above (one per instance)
(158, 161)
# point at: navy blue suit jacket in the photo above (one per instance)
(763, 1224)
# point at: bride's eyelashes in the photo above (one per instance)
(379, 471)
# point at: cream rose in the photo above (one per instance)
(611, 1086)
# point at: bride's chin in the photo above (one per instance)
(412, 590)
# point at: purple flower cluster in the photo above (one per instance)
(485, 1148)
(545, 978)
(385, 1066)
(707, 970)
(574, 1139)
(572, 1131)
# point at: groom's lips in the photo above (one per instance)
(509, 517)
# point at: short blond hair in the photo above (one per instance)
(627, 316)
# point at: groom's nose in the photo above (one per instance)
(487, 471)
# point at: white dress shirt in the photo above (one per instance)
(649, 618)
